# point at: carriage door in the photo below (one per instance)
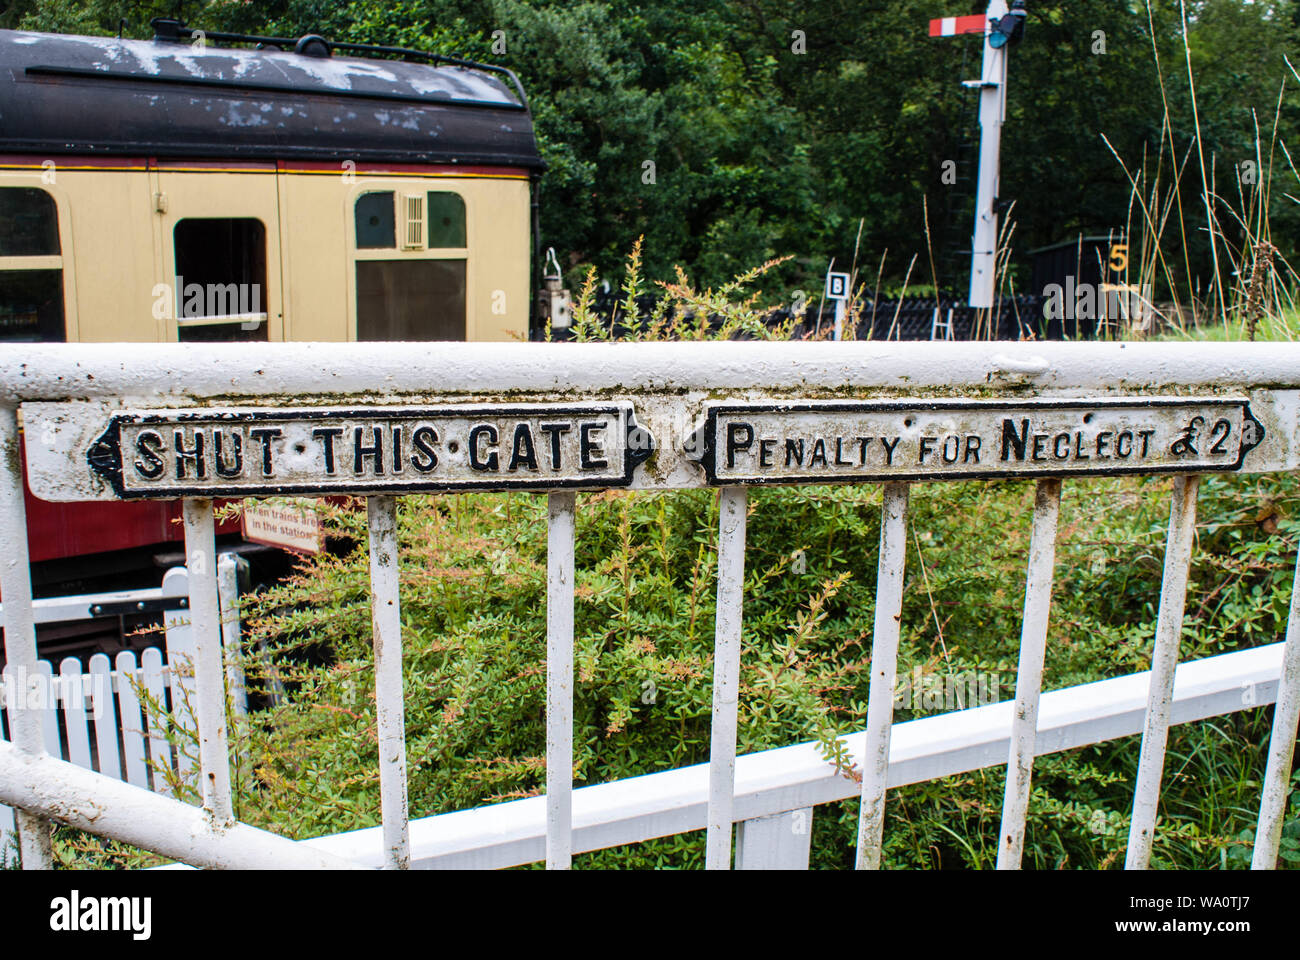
(218, 252)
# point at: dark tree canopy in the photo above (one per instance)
(771, 128)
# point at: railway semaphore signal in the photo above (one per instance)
(1002, 27)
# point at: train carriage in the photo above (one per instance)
(272, 189)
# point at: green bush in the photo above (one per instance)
(473, 609)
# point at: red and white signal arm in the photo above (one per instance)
(954, 26)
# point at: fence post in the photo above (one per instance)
(20, 628)
(782, 841)
(1281, 746)
(560, 526)
(884, 667)
(1164, 663)
(732, 514)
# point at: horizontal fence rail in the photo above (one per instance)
(795, 779)
(132, 422)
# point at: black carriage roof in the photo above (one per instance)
(163, 98)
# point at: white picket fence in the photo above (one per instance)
(128, 717)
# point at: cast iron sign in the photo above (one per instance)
(253, 452)
(828, 441)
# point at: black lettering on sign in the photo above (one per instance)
(793, 452)
(1013, 442)
(735, 443)
(814, 441)
(327, 436)
(818, 453)
(265, 435)
(237, 454)
(362, 452)
(193, 455)
(555, 431)
(477, 461)
(425, 458)
(522, 451)
(241, 452)
(149, 462)
(591, 453)
(1219, 435)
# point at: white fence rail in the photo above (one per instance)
(119, 716)
(88, 400)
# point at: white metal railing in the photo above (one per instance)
(71, 393)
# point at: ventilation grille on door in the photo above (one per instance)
(413, 221)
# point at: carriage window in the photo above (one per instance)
(411, 299)
(31, 288)
(29, 223)
(446, 220)
(220, 272)
(376, 227)
(31, 306)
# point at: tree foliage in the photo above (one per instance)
(775, 127)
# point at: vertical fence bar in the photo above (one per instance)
(231, 639)
(386, 620)
(1164, 661)
(20, 629)
(1029, 672)
(209, 676)
(1281, 745)
(559, 679)
(178, 636)
(884, 668)
(732, 507)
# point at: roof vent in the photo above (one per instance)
(312, 46)
(167, 30)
